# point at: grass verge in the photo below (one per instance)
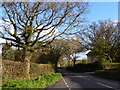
(40, 82)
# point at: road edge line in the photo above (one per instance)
(66, 84)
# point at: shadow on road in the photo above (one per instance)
(84, 81)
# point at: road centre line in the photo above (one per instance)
(83, 78)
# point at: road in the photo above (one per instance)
(83, 81)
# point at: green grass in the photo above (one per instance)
(40, 82)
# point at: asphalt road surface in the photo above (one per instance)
(83, 81)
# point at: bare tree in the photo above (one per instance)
(74, 48)
(30, 19)
(65, 48)
(103, 39)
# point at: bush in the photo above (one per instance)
(10, 54)
(40, 82)
(7, 53)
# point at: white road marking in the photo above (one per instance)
(66, 84)
(83, 77)
(105, 85)
(108, 82)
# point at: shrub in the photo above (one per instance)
(10, 54)
(7, 53)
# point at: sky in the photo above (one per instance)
(103, 11)
(100, 11)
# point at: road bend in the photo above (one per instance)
(83, 81)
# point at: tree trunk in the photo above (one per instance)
(110, 59)
(68, 63)
(74, 61)
(55, 66)
(27, 58)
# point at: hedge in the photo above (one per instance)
(40, 69)
(110, 71)
(13, 70)
(112, 74)
(84, 67)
